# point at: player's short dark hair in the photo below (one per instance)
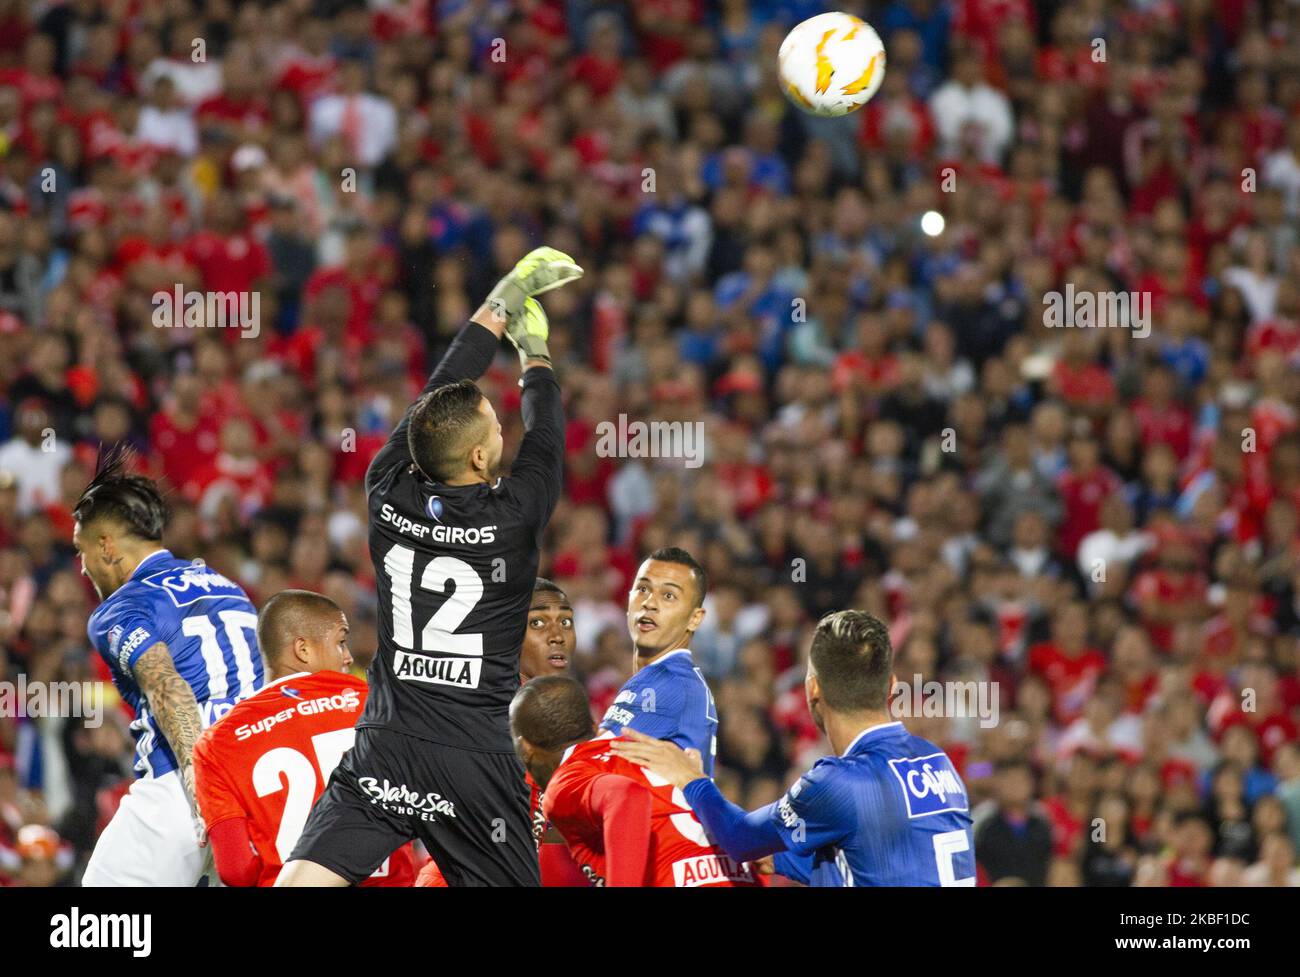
(291, 614)
(551, 711)
(853, 660)
(543, 586)
(445, 424)
(675, 554)
(131, 501)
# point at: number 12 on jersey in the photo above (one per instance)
(439, 633)
(464, 589)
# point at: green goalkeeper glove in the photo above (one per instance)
(540, 270)
(528, 332)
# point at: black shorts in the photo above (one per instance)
(470, 810)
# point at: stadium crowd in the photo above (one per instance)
(1103, 522)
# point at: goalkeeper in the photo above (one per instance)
(455, 550)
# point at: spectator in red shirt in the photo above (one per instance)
(229, 258)
(1161, 419)
(1173, 592)
(363, 275)
(1084, 384)
(599, 68)
(239, 112)
(1083, 487)
(234, 472)
(1132, 663)
(1069, 665)
(1258, 706)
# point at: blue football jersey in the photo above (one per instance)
(208, 624)
(891, 811)
(669, 700)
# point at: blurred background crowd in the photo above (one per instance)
(1102, 523)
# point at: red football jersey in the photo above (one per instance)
(592, 783)
(268, 759)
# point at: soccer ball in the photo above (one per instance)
(832, 64)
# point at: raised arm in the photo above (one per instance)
(537, 473)
(510, 311)
(173, 704)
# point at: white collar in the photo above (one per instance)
(146, 559)
(564, 757)
(284, 678)
(870, 729)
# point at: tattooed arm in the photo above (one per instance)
(174, 706)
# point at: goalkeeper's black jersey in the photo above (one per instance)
(455, 567)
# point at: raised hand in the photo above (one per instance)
(528, 332)
(540, 270)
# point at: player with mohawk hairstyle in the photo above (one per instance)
(180, 642)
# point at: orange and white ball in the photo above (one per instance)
(832, 64)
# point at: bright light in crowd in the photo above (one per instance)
(932, 223)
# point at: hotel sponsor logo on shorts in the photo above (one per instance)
(348, 700)
(400, 799)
